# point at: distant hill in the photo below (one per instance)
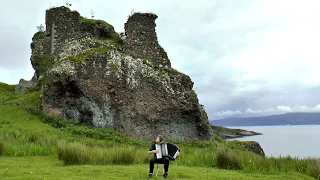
(282, 119)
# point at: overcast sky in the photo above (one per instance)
(246, 57)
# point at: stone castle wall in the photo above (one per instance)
(61, 23)
(141, 39)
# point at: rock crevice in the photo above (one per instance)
(134, 90)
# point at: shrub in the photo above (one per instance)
(42, 62)
(93, 21)
(313, 169)
(118, 40)
(227, 159)
(218, 138)
(73, 153)
(1, 147)
(38, 35)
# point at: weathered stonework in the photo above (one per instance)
(141, 39)
(62, 27)
(93, 81)
(117, 91)
(61, 23)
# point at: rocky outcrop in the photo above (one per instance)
(92, 78)
(25, 86)
(252, 146)
(229, 133)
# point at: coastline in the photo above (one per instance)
(230, 133)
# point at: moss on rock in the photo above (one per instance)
(38, 35)
(84, 56)
(93, 21)
(42, 63)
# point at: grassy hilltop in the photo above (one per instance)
(35, 146)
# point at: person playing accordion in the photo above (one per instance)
(158, 147)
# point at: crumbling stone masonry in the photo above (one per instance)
(61, 23)
(141, 39)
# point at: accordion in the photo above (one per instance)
(167, 150)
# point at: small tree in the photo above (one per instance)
(40, 28)
(132, 12)
(122, 35)
(92, 13)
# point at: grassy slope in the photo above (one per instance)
(48, 167)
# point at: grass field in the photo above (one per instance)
(34, 146)
(48, 167)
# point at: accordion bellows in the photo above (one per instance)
(167, 150)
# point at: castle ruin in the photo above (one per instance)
(93, 77)
(64, 25)
(141, 39)
(61, 24)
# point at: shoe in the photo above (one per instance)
(165, 175)
(150, 176)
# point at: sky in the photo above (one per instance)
(246, 58)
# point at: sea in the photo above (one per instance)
(300, 141)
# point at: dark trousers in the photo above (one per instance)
(164, 161)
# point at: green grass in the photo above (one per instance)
(26, 133)
(110, 44)
(115, 36)
(93, 21)
(146, 62)
(85, 55)
(39, 167)
(77, 153)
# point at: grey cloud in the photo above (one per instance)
(260, 101)
(200, 38)
(14, 54)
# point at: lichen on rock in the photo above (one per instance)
(24, 86)
(98, 80)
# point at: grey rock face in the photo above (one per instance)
(25, 85)
(91, 81)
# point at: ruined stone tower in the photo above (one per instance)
(141, 39)
(61, 23)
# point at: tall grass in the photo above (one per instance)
(252, 162)
(74, 150)
(79, 144)
(191, 156)
(77, 153)
(82, 150)
(18, 142)
(29, 149)
(1, 147)
(228, 159)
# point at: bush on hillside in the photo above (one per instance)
(1, 147)
(227, 159)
